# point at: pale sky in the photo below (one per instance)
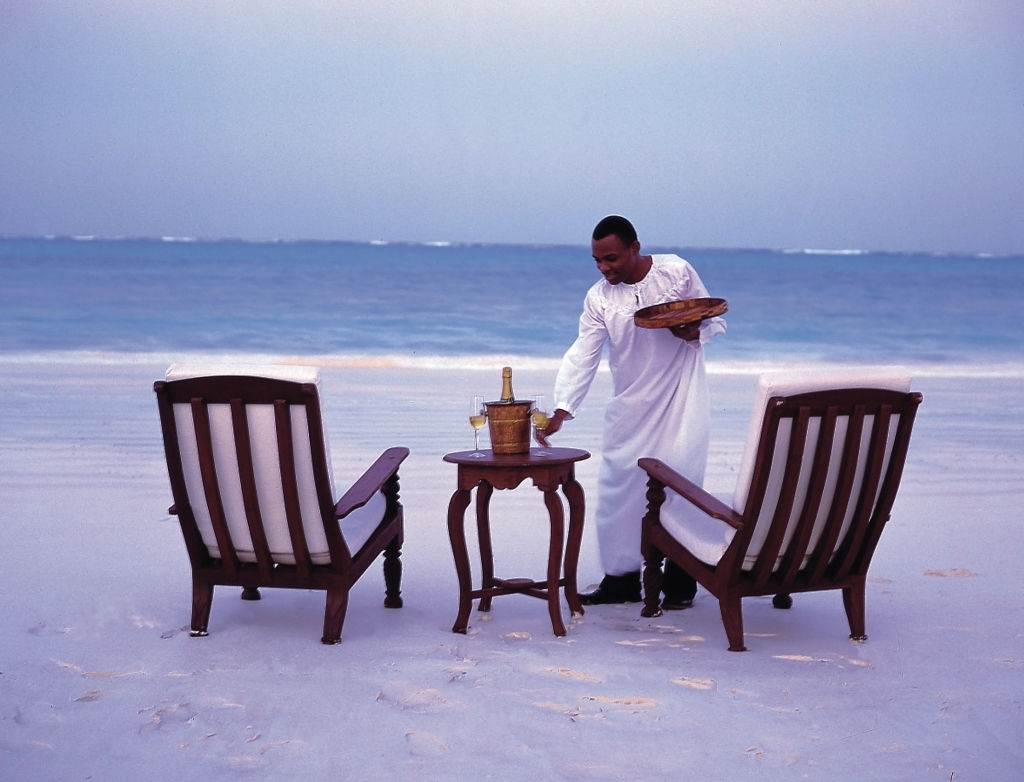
(869, 124)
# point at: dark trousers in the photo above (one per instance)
(677, 583)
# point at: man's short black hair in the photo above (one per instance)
(619, 226)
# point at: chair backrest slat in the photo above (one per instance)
(760, 475)
(839, 513)
(797, 551)
(878, 455)
(175, 471)
(289, 486)
(247, 480)
(211, 484)
(893, 476)
(336, 543)
(767, 556)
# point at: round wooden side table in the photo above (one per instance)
(551, 470)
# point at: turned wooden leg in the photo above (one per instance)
(732, 618)
(652, 576)
(853, 602)
(250, 593)
(393, 573)
(652, 581)
(334, 614)
(202, 600)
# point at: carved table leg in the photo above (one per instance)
(555, 548)
(483, 531)
(574, 494)
(457, 533)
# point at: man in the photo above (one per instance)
(659, 405)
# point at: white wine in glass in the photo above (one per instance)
(539, 414)
(477, 419)
(540, 420)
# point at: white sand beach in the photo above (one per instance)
(100, 680)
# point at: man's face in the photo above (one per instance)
(616, 261)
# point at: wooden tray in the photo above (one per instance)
(679, 313)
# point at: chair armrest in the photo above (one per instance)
(686, 488)
(371, 481)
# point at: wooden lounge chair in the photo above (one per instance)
(822, 464)
(253, 491)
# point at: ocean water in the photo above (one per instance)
(469, 303)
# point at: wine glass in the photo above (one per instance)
(539, 414)
(477, 419)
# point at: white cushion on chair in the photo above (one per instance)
(704, 536)
(356, 527)
(293, 372)
(784, 383)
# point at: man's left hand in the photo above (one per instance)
(688, 331)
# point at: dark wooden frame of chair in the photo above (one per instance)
(344, 568)
(832, 563)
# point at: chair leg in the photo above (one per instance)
(393, 573)
(853, 602)
(652, 581)
(334, 614)
(782, 600)
(250, 593)
(202, 600)
(732, 618)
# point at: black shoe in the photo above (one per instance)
(676, 603)
(614, 589)
(679, 588)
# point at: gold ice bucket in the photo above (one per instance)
(509, 426)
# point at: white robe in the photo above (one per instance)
(659, 405)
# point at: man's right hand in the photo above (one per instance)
(554, 424)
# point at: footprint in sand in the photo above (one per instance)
(694, 684)
(632, 704)
(456, 672)
(670, 641)
(420, 700)
(598, 706)
(423, 743)
(41, 628)
(74, 668)
(571, 674)
(174, 631)
(799, 658)
(90, 696)
(169, 715)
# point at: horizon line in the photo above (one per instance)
(170, 239)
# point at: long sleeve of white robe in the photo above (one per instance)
(659, 404)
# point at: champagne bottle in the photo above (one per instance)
(507, 397)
